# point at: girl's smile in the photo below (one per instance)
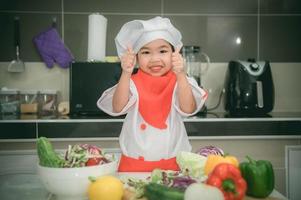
(156, 68)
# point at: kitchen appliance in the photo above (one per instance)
(249, 88)
(88, 80)
(194, 67)
(193, 62)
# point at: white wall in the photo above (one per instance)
(36, 76)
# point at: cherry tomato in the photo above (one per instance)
(93, 161)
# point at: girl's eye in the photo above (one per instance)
(144, 52)
(163, 51)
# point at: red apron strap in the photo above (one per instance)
(128, 164)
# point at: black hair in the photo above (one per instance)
(172, 48)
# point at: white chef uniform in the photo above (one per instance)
(152, 143)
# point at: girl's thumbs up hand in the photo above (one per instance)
(177, 62)
(128, 61)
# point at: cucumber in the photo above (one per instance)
(47, 156)
(155, 191)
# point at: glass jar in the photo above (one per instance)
(29, 101)
(48, 102)
(9, 102)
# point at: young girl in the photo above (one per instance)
(155, 98)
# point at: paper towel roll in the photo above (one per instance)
(97, 37)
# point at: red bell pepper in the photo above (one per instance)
(228, 179)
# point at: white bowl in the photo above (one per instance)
(72, 183)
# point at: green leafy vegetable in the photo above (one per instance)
(191, 163)
(47, 156)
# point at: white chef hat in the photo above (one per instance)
(137, 33)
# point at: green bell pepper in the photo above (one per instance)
(259, 176)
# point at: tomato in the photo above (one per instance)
(93, 161)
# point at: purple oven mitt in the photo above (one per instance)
(52, 49)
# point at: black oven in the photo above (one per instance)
(87, 82)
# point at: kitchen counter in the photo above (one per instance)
(201, 125)
(19, 180)
(28, 186)
(275, 195)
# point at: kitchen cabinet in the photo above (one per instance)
(18, 130)
(293, 175)
(210, 125)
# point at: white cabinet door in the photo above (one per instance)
(293, 172)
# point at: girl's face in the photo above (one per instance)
(154, 58)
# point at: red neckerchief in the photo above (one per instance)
(155, 95)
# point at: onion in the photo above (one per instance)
(201, 191)
(207, 150)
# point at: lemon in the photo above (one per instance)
(106, 188)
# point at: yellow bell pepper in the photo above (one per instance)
(213, 160)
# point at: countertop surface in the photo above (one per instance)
(28, 186)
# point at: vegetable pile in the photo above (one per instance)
(79, 155)
(208, 174)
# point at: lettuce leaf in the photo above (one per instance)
(192, 164)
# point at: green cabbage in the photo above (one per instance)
(192, 164)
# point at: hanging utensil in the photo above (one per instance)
(16, 65)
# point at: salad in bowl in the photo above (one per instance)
(67, 175)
